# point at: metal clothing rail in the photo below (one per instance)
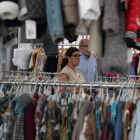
(28, 72)
(69, 45)
(72, 84)
(37, 44)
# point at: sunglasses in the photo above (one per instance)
(77, 55)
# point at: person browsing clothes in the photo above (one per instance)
(87, 64)
(68, 67)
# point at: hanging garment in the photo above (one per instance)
(108, 134)
(138, 121)
(118, 134)
(23, 13)
(55, 20)
(87, 12)
(64, 128)
(95, 41)
(138, 70)
(75, 113)
(59, 62)
(131, 134)
(50, 48)
(10, 7)
(114, 112)
(98, 120)
(57, 128)
(21, 57)
(70, 126)
(18, 129)
(51, 120)
(82, 135)
(131, 111)
(136, 62)
(126, 120)
(71, 17)
(91, 130)
(51, 64)
(104, 113)
(4, 104)
(36, 10)
(79, 123)
(8, 122)
(114, 60)
(40, 62)
(132, 70)
(132, 34)
(29, 123)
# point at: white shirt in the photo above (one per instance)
(88, 11)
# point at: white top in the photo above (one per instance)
(88, 11)
(21, 57)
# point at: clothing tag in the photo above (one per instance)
(30, 29)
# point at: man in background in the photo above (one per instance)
(88, 65)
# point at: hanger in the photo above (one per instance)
(80, 97)
(31, 93)
(135, 97)
(21, 87)
(102, 94)
(35, 87)
(18, 88)
(107, 96)
(56, 94)
(100, 90)
(113, 98)
(39, 91)
(118, 97)
(123, 93)
(10, 93)
(74, 93)
(70, 97)
(128, 91)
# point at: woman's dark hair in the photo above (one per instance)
(69, 52)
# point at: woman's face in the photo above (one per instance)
(75, 58)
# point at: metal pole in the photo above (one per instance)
(70, 84)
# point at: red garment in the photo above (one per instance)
(111, 75)
(133, 23)
(131, 111)
(36, 96)
(29, 123)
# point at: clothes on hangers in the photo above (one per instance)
(88, 124)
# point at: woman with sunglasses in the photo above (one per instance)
(68, 67)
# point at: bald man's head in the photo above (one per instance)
(83, 46)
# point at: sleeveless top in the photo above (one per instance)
(72, 76)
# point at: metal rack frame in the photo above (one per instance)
(73, 84)
(28, 72)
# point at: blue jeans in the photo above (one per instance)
(54, 20)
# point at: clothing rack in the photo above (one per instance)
(28, 72)
(73, 84)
